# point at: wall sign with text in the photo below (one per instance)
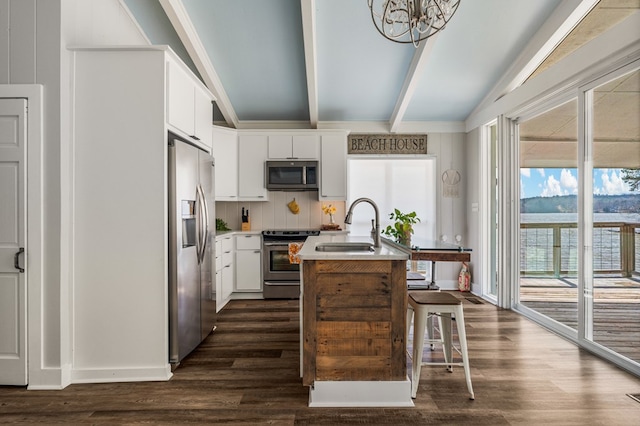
(368, 143)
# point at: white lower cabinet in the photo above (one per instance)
(224, 270)
(248, 263)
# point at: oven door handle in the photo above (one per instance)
(275, 244)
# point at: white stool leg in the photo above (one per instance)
(447, 338)
(462, 334)
(409, 321)
(419, 324)
(430, 332)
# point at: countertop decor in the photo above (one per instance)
(330, 209)
(402, 228)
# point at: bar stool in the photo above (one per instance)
(424, 303)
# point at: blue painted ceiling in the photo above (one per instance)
(257, 49)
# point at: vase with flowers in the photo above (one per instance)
(330, 209)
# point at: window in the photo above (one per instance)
(406, 184)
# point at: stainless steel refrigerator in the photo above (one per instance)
(192, 298)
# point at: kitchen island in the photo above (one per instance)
(353, 313)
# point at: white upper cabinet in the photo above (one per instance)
(333, 164)
(252, 154)
(203, 116)
(225, 152)
(285, 147)
(189, 107)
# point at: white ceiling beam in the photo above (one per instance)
(181, 22)
(418, 62)
(560, 23)
(310, 57)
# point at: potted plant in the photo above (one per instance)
(402, 228)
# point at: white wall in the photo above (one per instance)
(33, 39)
(451, 216)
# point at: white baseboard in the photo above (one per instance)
(109, 375)
(361, 394)
(48, 379)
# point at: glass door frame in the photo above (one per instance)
(585, 225)
(509, 211)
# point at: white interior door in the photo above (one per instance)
(13, 294)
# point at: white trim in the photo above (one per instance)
(110, 375)
(361, 394)
(416, 70)
(561, 22)
(487, 209)
(38, 375)
(308, 8)
(357, 126)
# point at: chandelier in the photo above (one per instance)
(411, 21)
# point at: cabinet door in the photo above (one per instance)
(227, 282)
(180, 105)
(333, 163)
(225, 152)
(252, 154)
(248, 270)
(203, 117)
(305, 146)
(280, 147)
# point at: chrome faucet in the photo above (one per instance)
(376, 238)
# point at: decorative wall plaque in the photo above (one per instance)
(450, 183)
(387, 143)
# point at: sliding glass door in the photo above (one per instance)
(579, 227)
(612, 290)
(549, 213)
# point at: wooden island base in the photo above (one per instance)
(354, 314)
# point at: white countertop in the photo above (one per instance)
(386, 252)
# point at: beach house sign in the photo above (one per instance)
(389, 144)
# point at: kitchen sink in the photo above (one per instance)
(345, 247)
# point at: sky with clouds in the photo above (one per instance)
(550, 182)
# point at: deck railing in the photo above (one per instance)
(552, 248)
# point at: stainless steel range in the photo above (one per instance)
(281, 277)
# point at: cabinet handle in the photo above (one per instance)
(16, 260)
(195, 137)
(257, 251)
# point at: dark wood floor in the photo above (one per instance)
(247, 373)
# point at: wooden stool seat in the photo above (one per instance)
(434, 298)
(423, 304)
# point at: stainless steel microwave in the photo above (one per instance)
(292, 175)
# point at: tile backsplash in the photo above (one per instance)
(275, 213)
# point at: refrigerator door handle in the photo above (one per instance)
(198, 225)
(203, 226)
